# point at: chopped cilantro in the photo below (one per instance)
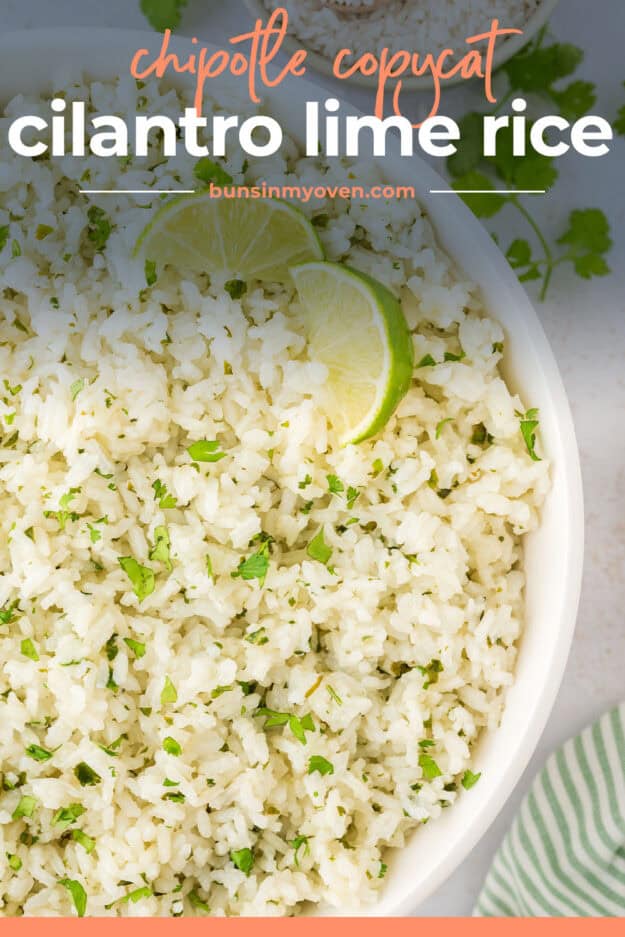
(87, 843)
(427, 362)
(335, 485)
(169, 694)
(529, 424)
(352, 495)
(144, 892)
(172, 747)
(99, 227)
(205, 169)
(209, 568)
(25, 808)
(67, 815)
(151, 275)
(257, 637)
(141, 577)
(255, 566)
(164, 499)
(205, 450)
(243, 859)
(297, 844)
(298, 726)
(196, 902)
(383, 870)
(431, 672)
(86, 776)
(469, 779)
(78, 893)
(42, 232)
(236, 288)
(160, 553)
(320, 764)
(318, 549)
(37, 753)
(15, 863)
(76, 387)
(29, 650)
(429, 767)
(137, 648)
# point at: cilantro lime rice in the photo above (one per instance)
(239, 661)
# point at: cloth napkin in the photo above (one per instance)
(565, 853)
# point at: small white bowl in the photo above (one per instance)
(323, 64)
(553, 555)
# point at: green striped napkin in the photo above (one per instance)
(565, 853)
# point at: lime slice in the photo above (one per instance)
(249, 240)
(356, 327)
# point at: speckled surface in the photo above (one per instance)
(585, 323)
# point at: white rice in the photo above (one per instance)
(409, 637)
(415, 25)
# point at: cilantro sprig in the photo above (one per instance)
(163, 14)
(544, 71)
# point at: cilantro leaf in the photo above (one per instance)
(320, 764)
(577, 99)
(141, 577)
(29, 650)
(469, 779)
(619, 123)
(297, 844)
(318, 549)
(429, 767)
(208, 171)
(196, 902)
(235, 288)
(469, 153)
(588, 232)
(4, 236)
(160, 553)
(78, 893)
(76, 387)
(205, 450)
(151, 275)
(37, 753)
(144, 892)
(536, 69)
(25, 808)
(86, 776)
(169, 694)
(243, 859)
(87, 843)
(255, 566)
(137, 648)
(99, 228)
(172, 747)
(164, 499)
(481, 204)
(298, 726)
(529, 424)
(67, 815)
(163, 14)
(335, 485)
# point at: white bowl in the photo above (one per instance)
(323, 64)
(553, 555)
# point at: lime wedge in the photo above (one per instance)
(356, 327)
(249, 240)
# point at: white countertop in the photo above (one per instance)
(585, 323)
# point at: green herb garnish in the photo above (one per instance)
(141, 577)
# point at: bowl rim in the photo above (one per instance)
(322, 64)
(37, 54)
